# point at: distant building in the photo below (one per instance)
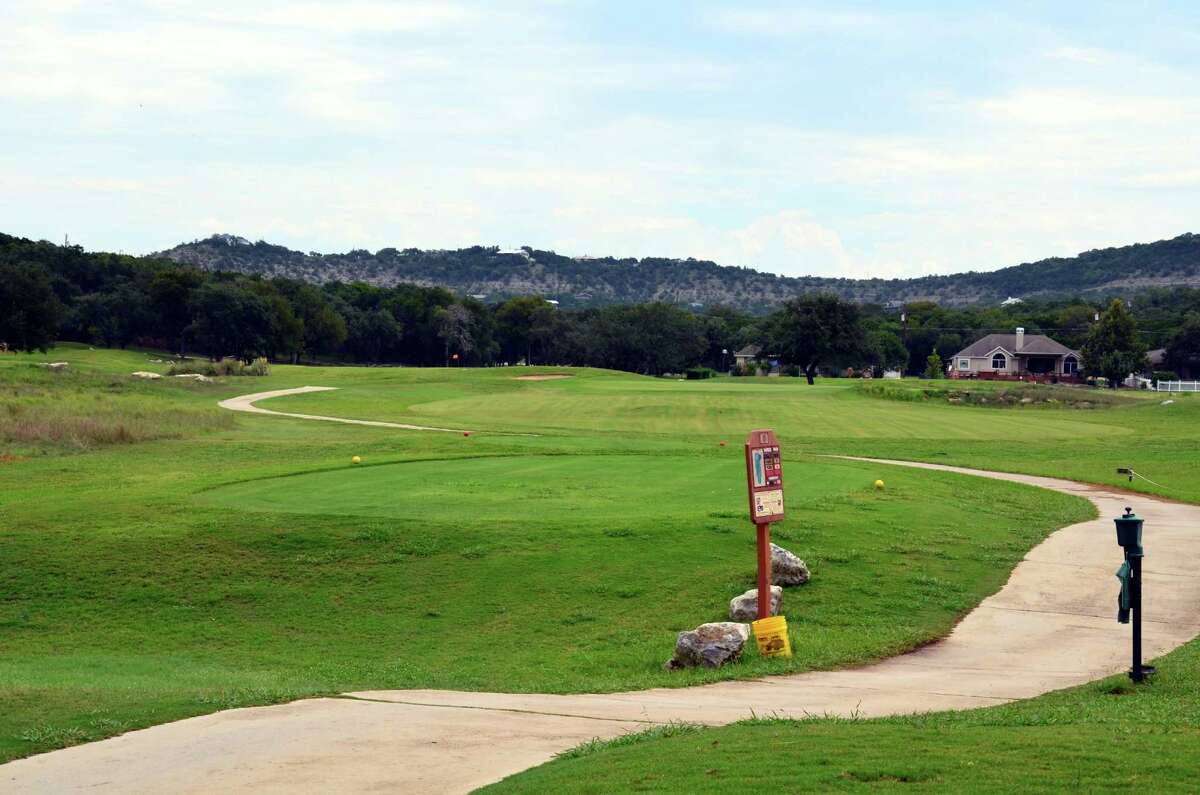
(1019, 356)
(1010, 301)
(747, 356)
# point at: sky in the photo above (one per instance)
(839, 139)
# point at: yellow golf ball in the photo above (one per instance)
(356, 460)
(879, 484)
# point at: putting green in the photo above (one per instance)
(535, 489)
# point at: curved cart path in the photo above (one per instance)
(1051, 626)
(246, 403)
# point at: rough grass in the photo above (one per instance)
(997, 394)
(43, 409)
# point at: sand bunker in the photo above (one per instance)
(541, 377)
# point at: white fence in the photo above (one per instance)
(1178, 386)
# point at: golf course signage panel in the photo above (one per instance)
(764, 477)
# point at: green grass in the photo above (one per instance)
(225, 560)
(1104, 736)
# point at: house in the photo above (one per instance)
(1017, 357)
(1010, 301)
(747, 356)
(752, 358)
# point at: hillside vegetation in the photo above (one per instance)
(590, 281)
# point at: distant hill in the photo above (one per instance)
(492, 274)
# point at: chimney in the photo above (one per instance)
(1020, 338)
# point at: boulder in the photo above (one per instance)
(195, 377)
(56, 365)
(145, 374)
(745, 607)
(709, 646)
(786, 568)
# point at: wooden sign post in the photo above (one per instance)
(764, 483)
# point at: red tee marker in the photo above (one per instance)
(722, 442)
(466, 433)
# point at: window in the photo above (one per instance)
(964, 364)
(1070, 365)
(999, 362)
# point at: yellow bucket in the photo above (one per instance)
(772, 636)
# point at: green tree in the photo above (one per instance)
(1183, 347)
(524, 324)
(373, 334)
(1113, 348)
(285, 336)
(29, 309)
(885, 349)
(819, 330)
(934, 366)
(170, 290)
(229, 320)
(454, 330)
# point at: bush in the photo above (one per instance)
(744, 370)
(699, 373)
(259, 366)
(1163, 375)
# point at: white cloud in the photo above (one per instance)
(790, 21)
(1078, 108)
(1090, 56)
(363, 124)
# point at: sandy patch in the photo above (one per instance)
(541, 377)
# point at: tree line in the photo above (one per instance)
(50, 292)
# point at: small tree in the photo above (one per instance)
(933, 366)
(1113, 349)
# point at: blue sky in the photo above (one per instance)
(884, 139)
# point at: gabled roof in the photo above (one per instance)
(749, 350)
(1034, 345)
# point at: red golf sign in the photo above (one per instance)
(764, 482)
(764, 477)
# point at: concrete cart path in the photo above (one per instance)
(1051, 626)
(246, 403)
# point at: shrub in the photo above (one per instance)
(1163, 375)
(692, 373)
(224, 367)
(933, 366)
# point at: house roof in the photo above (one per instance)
(749, 350)
(1034, 344)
